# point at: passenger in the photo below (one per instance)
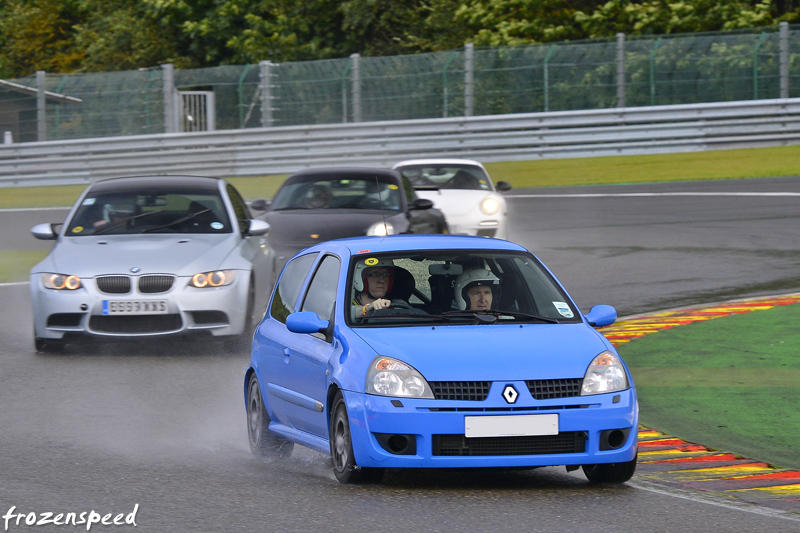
(372, 280)
(477, 289)
(318, 197)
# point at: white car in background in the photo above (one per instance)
(463, 191)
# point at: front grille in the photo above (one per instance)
(461, 446)
(546, 389)
(114, 284)
(473, 391)
(155, 284)
(138, 324)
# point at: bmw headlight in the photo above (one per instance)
(605, 374)
(390, 377)
(381, 229)
(490, 206)
(61, 281)
(216, 278)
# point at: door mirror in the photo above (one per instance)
(257, 227)
(422, 203)
(306, 322)
(502, 186)
(259, 205)
(601, 315)
(45, 232)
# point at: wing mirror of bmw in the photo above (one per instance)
(45, 232)
(306, 322)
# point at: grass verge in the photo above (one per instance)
(693, 166)
(15, 265)
(731, 383)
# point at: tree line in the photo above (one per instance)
(69, 36)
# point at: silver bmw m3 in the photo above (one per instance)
(149, 256)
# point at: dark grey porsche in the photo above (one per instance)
(319, 205)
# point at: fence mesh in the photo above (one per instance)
(658, 70)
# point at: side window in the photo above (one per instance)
(289, 286)
(321, 295)
(239, 207)
(410, 194)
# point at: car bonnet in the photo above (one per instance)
(490, 352)
(457, 202)
(167, 254)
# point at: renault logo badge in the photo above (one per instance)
(510, 394)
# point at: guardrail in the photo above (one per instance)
(264, 151)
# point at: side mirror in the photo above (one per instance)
(601, 315)
(422, 203)
(257, 227)
(259, 205)
(305, 322)
(45, 232)
(502, 186)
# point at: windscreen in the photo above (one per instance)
(338, 192)
(162, 211)
(444, 176)
(455, 287)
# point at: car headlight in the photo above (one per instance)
(216, 278)
(390, 377)
(605, 374)
(381, 229)
(61, 281)
(490, 206)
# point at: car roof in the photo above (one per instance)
(156, 182)
(366, 172)
(439, 162)
(392, 243)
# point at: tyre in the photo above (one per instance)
(263, 443)
(610, 472)
(344, 464)
(48, 345)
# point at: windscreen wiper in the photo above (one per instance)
(174, 222)
(500, 314)
(103, 229)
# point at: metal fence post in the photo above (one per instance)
(620, 70)
(469, 79)
(784, 59)
(355, 73)
(170, 109)
(265, 79)
(41, 107)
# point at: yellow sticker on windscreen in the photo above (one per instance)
(371, 261)
(77, 229)
(393, 187)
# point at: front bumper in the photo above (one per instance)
(219, 310)
(480, 226)
(437, 428)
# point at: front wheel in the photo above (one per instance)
(344, 464)
(263, 443)
(610, 472)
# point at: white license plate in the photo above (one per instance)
(510, 425)
(135, 307)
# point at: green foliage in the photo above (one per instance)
(63, 36)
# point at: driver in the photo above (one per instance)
(115, 213)
(318, 197)
(477, 289)
(372, 279)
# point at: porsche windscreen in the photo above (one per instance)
(330, 192)
(454, 287)
(136, 212)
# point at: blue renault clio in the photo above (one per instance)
(437, 351)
